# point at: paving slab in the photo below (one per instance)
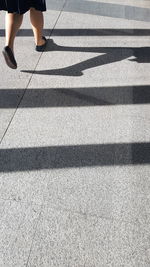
(18, 224)
(111, 193)
(77, 147)
(29, 187)
(66, 239)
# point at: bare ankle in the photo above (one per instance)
(41, 41)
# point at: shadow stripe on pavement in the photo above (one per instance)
(57, 157)
(85, 32)
(74, 97)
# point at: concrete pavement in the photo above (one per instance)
(75, 133)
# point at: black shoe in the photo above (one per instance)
(40, 48)
(9, 57)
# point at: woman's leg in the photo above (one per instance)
(13, 23)
(37, 21)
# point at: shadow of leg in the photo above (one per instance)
(77, 69)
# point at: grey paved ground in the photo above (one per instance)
(75, 133)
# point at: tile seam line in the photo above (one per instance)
(38, 219)
(36, 225)
(25, 89)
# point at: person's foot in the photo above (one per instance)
(41, 45)
(9, 57)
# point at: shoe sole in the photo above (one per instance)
(8, 61)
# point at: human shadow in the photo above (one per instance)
(142, 55)
(107, 55)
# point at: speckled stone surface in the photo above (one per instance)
(75, 142)
(73, 239)
(18, 222)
